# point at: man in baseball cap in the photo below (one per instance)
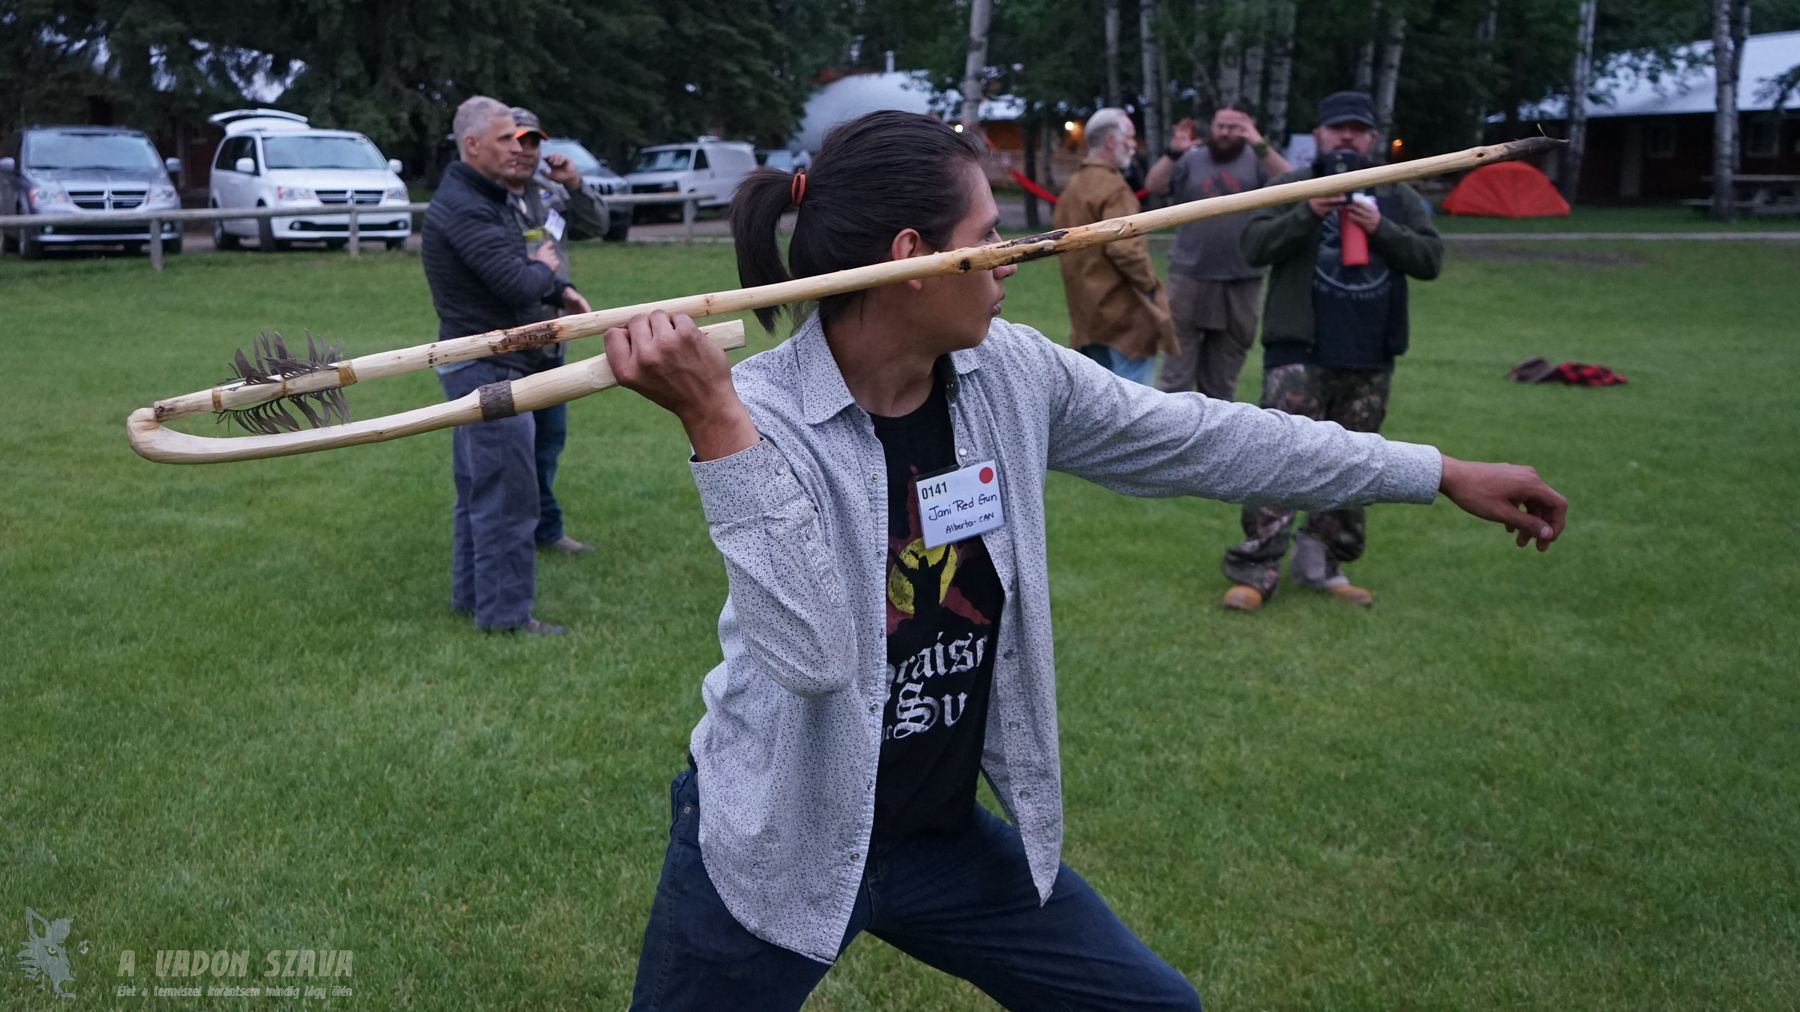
(1338, 108)
(528, 124)
(550, 204)
(1333, 324)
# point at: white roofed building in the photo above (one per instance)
(1651, 137)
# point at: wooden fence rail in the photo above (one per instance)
(689, 208)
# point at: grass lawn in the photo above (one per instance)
(237, 713)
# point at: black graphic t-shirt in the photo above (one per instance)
(943, 624)
(1355, 309)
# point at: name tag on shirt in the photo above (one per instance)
(959, 504)
(553, 223)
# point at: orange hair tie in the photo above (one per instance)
(797, 187)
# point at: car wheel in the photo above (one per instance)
(336, 244)
(619, 231)
(29, 247)
(265, 235)
(222, 239)
(395, 243)
(172, 247)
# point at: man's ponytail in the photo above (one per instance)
(873, 178)
(756, 209)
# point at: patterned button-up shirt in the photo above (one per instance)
(788, 748)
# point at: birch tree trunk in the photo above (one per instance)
(1579, 76)
(1740, 30)
(975, 68)
(1388, 76)
(1281, 73)
(1112, 53)
(1205, 93)
(1365, 54)
(1724, 112)
(1162, 93)
(1153, 86)
(1231, 68)
(1485, 32)
(1253, 53)
(1032, 129)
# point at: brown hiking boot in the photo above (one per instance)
(1350, 593)
(566, 545)
(1243, 597)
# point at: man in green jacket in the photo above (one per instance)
(1332, 328)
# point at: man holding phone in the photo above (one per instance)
(1334, 321)
(550, 206)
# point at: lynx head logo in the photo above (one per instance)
(43, 958)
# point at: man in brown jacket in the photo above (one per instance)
(1118, 311)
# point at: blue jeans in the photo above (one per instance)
(1137, 370)
(493, 564)
(552, 432)
(962, 902)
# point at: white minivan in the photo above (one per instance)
(707, 168)
(270, 158)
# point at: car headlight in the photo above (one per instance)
(296, 195)
(163, 196)
(49, 196)
(395, 195)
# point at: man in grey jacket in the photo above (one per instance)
(1336, 319)
(482, 279)
(550, 206)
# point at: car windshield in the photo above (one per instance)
(666, 160)
(584, 160)
(784, 160)
(49, 149)
(321, 153)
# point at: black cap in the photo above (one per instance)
(1347, 107)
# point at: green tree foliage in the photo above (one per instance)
(616, 73)
(619, 73)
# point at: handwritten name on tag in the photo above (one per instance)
(960, 504)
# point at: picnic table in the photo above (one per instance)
(1758, 193)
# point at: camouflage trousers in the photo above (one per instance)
(1354, 398)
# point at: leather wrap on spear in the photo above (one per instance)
(312, 385)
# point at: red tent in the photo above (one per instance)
(1506, 190)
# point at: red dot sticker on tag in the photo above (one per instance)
(987, 475)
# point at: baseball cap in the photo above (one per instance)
(1337, 107)
(527, 122)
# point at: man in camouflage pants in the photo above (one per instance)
(1353, 398)
(1331, 331)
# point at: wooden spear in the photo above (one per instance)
(151, 440)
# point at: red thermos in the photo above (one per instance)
(1353, 242)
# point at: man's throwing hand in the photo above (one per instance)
(1508, 494)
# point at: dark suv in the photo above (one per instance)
(78, 169)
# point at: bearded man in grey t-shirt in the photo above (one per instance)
(1213, 293)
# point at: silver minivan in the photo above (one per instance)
(85, 169)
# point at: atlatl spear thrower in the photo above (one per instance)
(312, 384)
